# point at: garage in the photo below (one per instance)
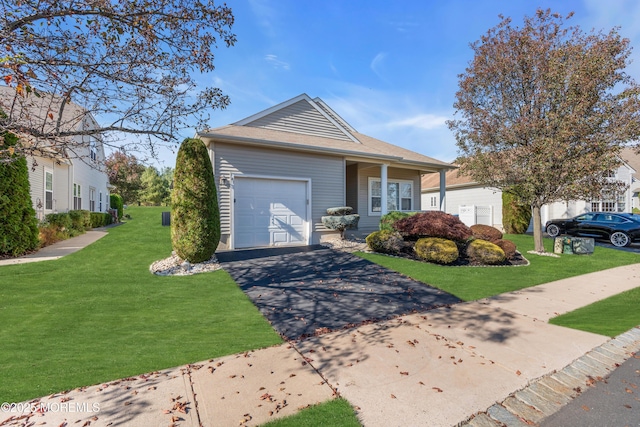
(270, 212)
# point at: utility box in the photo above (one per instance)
(573, 245)
(166, 219)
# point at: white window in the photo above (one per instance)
(92, 199)
(93, 150)
(77, 197)
(100, 201)
(399, 196)
(48, 190)
(433, 202)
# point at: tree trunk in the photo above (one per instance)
(537, 229)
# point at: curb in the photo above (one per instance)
(547, 395)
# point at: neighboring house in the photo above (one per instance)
(67, 179)
(279, 170)
(476, 204)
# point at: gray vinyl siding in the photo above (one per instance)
(300, 117)
(369, 223)
(326, 173)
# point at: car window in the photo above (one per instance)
(612, 218)
(585, 217)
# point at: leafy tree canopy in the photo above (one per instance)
(128, 63)
(546, 108)
(125, 174)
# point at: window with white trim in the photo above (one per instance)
(433, 202)
(93, 150)
(399, 195)
(48, 190)
(77, 197)
(92, 199)
(100, 201)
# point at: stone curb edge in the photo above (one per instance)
(547, 395)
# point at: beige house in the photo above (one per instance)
(61, 179)
(279, 170)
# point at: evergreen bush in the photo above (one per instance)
(387, 220)
(385, 241)
(486, 232)
(117, 203)
(18, 222)
(436, 249)
(484, 252)
(433, 224)
(515, 216)
(100, 219)
(195, 217)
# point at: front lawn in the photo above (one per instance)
(610, 317)
(471, 283)
(99, 314)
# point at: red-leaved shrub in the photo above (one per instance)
(433, 224)
(507, 246)
(486, 232)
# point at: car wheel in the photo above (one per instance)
(553, 230)
(619, 239)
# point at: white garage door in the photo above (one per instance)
(269, 212)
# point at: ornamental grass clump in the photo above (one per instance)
(195, 216)
(433, 224)
(435, 249)
(484, 252)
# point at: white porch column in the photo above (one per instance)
(383, 189)
(443, 190)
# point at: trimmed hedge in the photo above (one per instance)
(117, 203)
(486, 232)
(385, 241)
(195, 216)
(438, 250)
(80, 220)
(433, 224)
(484, 252)
(100, 219)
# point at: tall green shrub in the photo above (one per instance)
(515, 215)
(195, 216)
(18, 222)
(117, 203)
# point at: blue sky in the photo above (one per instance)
(389, 68)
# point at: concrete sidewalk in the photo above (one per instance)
(474, 362)
(59, 249)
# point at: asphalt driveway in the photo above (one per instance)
(313, 290)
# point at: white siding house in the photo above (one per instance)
(279, 170)
(72, 178)
(463, 195)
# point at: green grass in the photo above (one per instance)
(99, 314)
(471, 283)
(610, 317)
(334, 413)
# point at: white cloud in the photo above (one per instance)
(421, 121)
(377, 63)
(276, 63)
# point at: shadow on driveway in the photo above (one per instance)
(313, 290)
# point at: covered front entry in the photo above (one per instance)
(270, 212)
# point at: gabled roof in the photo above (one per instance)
(305, 124)
(454, 178)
